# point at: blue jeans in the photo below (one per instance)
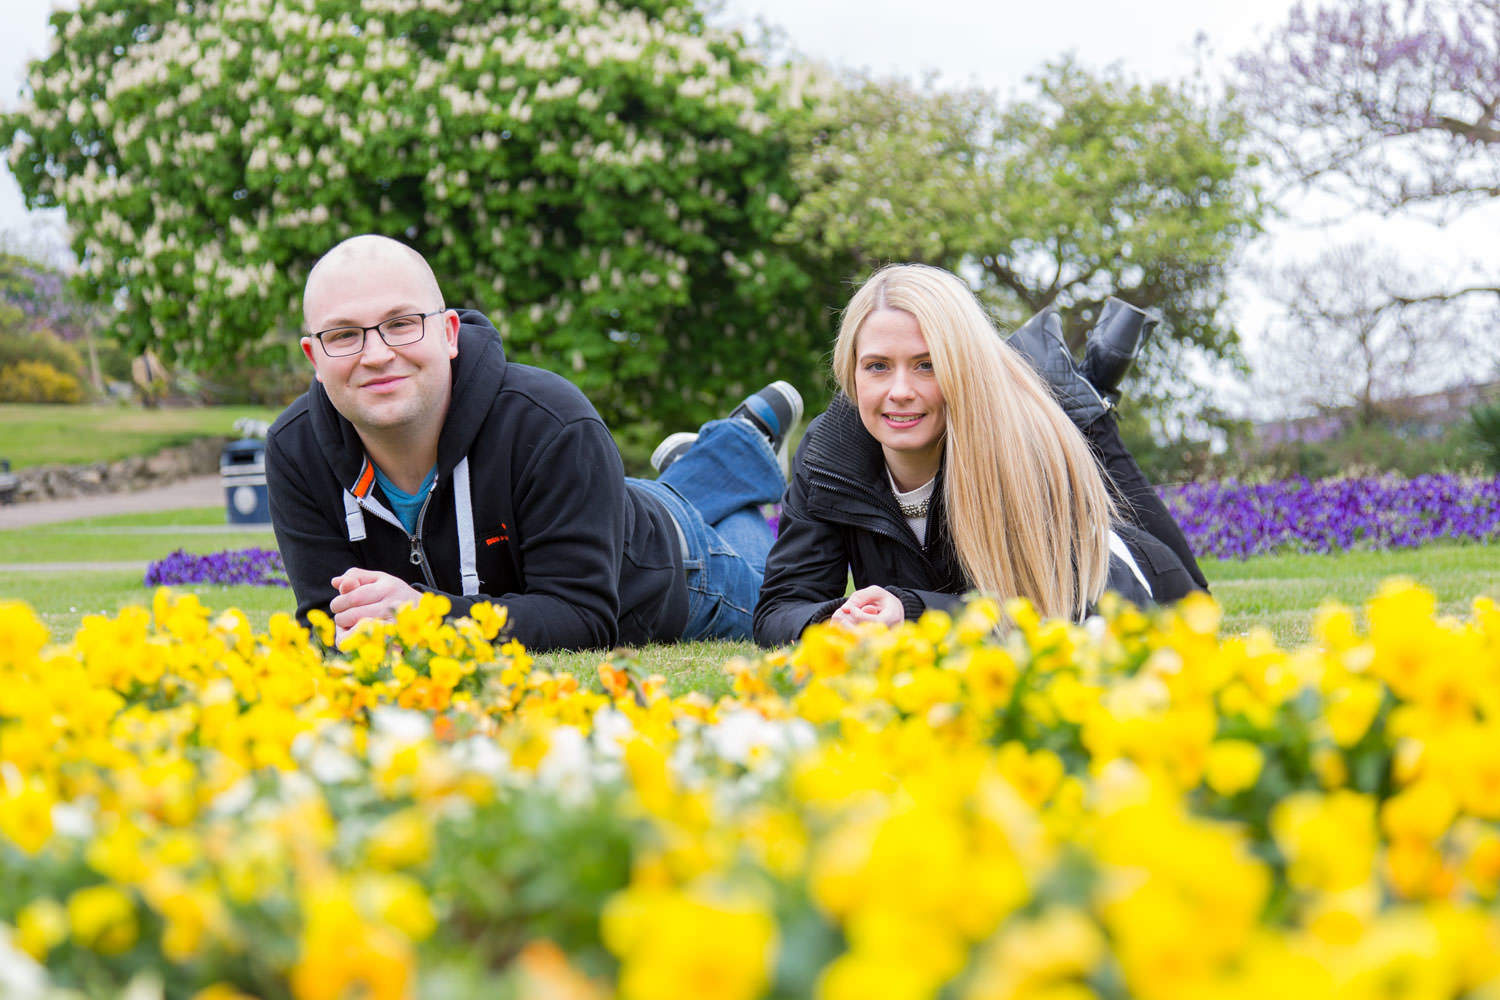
(713, 492)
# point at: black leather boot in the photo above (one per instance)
(1040, 341)
(1114, 342)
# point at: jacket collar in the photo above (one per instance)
(842, 456)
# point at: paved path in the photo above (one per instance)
(9, 569)
(197, 491)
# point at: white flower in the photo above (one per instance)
(612, 728)
(400, 724)
(21, 978)
(233, 800)
(71, 819)
(481, 756)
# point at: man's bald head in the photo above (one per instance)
(360, 253)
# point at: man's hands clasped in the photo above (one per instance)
(366, 593)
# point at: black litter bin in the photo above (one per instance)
(242, 466)
(9, 482)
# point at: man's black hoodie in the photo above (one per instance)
(580, 559)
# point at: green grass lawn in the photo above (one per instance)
(1282, 592)
(1279, 592)
(38, 434)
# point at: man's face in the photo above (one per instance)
(382, 388)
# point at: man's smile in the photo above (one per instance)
(384, 383)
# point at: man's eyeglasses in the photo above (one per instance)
(398, 331)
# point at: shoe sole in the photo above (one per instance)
(668, 445)
(788, 392)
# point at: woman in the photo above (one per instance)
(945, 466)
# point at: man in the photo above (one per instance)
(421, 460)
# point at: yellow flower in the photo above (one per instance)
(322, 626)
(446, 671)
(25, 812)
(1421, 812)
(777, 839)
(824, 650)
(41, 926)
(1200, 614)
(342, 955)
(919, 690)
(1340, 918)
(1328, 764)
(1418, 870)
(819, 702)
(650, 776)
(990, 674)
(22, 635)
(189, 912)
(1351, 708)
(401, 840)
(397, 901)
(1042, 954)
(1233, 766)
(1403, 633)
(861, 976)
(1482, 865)
(675, 943)
(1400, 957)
(1333, 626)
(1035, 776)
(1328, 840)
(102, 918)
(489, 618)
(220, 991)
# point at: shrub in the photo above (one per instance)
(38, 382)
(39, 345)
(1484, 431)
(1373, 449)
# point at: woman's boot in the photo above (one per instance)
(1114, 342)
(1039, 340)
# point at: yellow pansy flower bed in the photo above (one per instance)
(1136, 806)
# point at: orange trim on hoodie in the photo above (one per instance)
(366, 478)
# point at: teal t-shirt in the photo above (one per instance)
(406, 506)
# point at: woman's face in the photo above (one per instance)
(897, 392)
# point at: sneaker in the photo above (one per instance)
(672, 447)
(775, 411)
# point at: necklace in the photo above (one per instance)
(913, 503)
(913, 511)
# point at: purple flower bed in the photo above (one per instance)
(1236, 520)
(259, 567)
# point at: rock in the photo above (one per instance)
(164, 465)
(61, 482)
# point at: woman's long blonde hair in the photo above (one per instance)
(1027, 506)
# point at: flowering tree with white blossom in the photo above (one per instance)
(604, 179)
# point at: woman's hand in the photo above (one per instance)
(870, 604)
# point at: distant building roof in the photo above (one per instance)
(1427, 413)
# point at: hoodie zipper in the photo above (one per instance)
(418, 554)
